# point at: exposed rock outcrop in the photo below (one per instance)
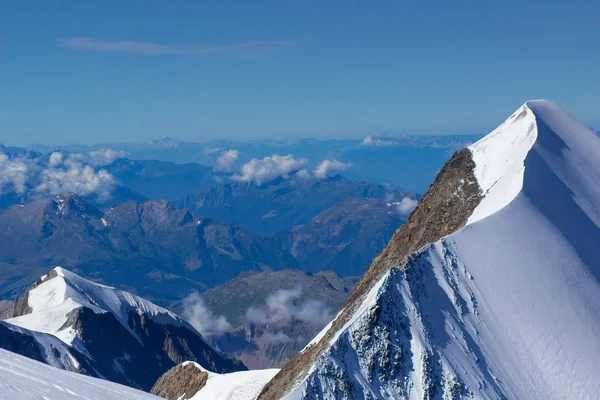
(181, 382)
(445, 208)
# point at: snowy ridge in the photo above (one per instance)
(55, 352)
(105, 332)
(243, 385)
(53, 300)
(24, 379)
(508, 307)
(500, 161)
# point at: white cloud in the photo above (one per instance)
(147, 48)
(77, 178)
(276, 338)
(407, 205)
(105, 156)
(261, 171)
(326, 167)
(286, 306)
(226, 160)
(14, 173)
(211, 150)
(59, 175)
(56, 159)
(368, 141)
(201, 318)
(304, 174)
(376, 142)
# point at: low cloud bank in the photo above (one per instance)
(59, 173)
(226, 160)
(284, 307)
(407, 205)
(263, 170)
(327, 167)
(201, 318)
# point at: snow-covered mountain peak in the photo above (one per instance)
(502, 158)
(60, 292)
(500, 161)
(105, 332)
(491, 289)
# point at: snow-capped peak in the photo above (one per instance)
(500, 161)
(107, 332)
(507, 306)
(61, 292)
(502, 158)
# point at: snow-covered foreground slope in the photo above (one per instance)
(104, 332)
(190, 380)
(508, 307)
(24, 379)
(243, 385)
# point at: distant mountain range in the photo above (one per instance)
(161, 180)
(379, 159)
(281, 204)
(346, 237)
(273, 315)
(150, 248)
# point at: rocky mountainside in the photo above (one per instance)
(273, 315)
(490, 290)
(348, 235)
(278, 205)
(149, 248)
(74, 324)
(119, 194)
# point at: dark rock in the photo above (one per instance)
(181, 382)
(445, 208)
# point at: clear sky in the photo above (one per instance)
(96, 71)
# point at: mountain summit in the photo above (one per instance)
(490, 290)
(104, 332)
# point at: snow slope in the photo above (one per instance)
(53, 350)
(23, 379)
(52, 301)
(244, 385)
(508, 307)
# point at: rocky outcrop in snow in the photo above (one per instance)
(191, 381)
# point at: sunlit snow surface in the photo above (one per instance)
(506, 308)
(243, 385)
(24, 379)
(52, 300)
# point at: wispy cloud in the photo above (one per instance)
(146, 48)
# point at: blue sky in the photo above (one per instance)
(96, 71)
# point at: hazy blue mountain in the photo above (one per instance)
(280, 204)
(345, 237)
(407, 161)
(162, 180)
(149, 248)
(297, 304)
